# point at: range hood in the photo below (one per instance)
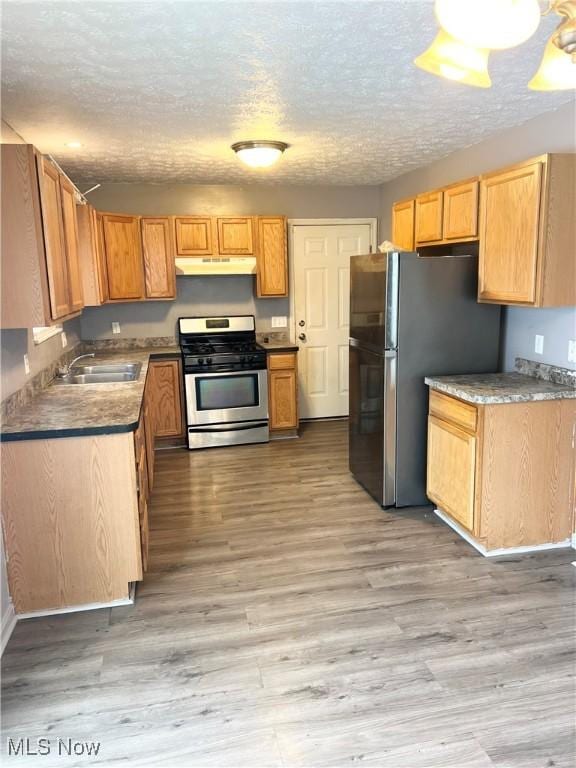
(221, 265)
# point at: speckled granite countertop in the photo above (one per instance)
(278, 346)
(87, 409)
(492, 388)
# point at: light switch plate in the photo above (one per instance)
(539, 344)
(115, 327)
(26, 365)
(63, 339)
(279, 322)
(572, 350)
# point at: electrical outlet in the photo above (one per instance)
(26, 365)
(115, 327)
(64, 339)
(539, 344)
(572, 350)
(279, 322)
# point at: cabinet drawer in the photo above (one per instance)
(278, 362)
(453, 410)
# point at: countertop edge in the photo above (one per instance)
(451, 389)
(52, 434)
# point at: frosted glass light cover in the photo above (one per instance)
(494, 24)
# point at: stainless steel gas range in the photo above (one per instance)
(225, 381)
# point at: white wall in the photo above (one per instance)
(551, 132)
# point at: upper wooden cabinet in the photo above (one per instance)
(70, 228)
(41, 281)
(235, 236)
(460, 221)
(92, 258)
(527, 233)
(56, 262)
(159, 264)
(123, 257)
(272, 257)
(195, 236)
(403, 224)
(429, 217)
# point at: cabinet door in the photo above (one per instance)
(51, 202)
(167, 400)
(403, 225)
(235, 237)
(451, 470)
(194, 236)
(159, 263)
(509, 223)
(70, 227)
(123, 257)
(429, 217)
(149, 430)
(461, 211)
(272, 257)
(100, 251)
(282, 399)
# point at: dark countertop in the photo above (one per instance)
(492, 388)
(89, 409)
(278, 346)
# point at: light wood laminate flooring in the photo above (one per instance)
(287, 620)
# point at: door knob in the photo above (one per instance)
(302, 323)
(302, 336)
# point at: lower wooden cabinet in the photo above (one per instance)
(503, 472)
(166, 397)
(283, 393)
(71, 521)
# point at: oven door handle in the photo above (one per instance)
(228, 427)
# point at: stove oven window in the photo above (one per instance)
(215, 393)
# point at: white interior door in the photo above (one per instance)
(321, 264)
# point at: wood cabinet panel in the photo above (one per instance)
(70, 230)
(461, 211)
(194, 236)
(235, 236)
(100, 246)
(165, 386)
(91, 257)
(451, 470)
(429, 208)
(25, 301)
(55, 247)
(282, 399)
(509, 226)
(281, 360)
(456, 411)
(272, 257)
(123, 257)
(403, 224)
(70, 518)
(159, 258)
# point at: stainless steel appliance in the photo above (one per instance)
(410, 316)
(225, 380)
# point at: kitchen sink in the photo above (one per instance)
(101, 374)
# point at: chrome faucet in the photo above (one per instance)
(65, 370)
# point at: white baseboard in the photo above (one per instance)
(76, 608)
(8, 624)
(505, 550)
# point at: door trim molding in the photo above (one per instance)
(372, 222)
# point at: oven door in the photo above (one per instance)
(221, 398)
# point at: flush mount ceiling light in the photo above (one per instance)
(73, 144)
(259, 154)
(470, 29)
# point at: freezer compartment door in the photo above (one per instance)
(374, 300)
(372, 422)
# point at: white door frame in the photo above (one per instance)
(371, 222)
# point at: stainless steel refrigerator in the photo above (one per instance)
(410, 317)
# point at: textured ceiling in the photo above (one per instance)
(157, 91)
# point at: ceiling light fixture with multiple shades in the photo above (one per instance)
(259, 154)
(471, 29)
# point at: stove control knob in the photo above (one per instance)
(209, 360)
(200, 361)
